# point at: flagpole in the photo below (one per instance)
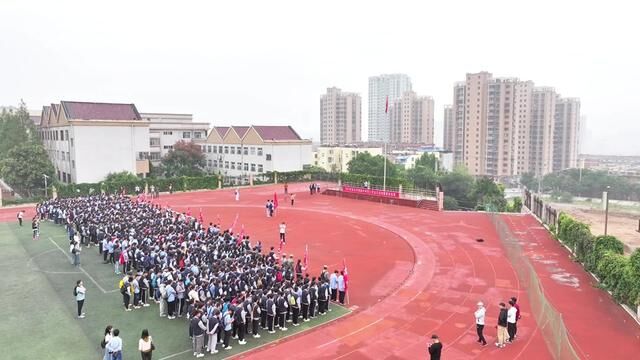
(384, 175)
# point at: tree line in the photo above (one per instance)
(586, 183)
(462, 191)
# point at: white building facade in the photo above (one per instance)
(87, 141)
(167, 129)
(336, 158)
(255, 150)
(381, 88)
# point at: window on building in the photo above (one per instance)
(143, 156)
(209, 148)
(154, 141)
(68, 156)
(209, 163)
(220, 149)
(154, 156)
(260, 168)
(215, 163)
(226, 164)
(73, 164)
(239, 150)
(186, 135)
(61, 135)
(253, 167)
(268, 157)
(246, 150)
(226, 149)
(66, 134)
(246, 167)
(59, 176)
(233, 150)
(253, 150)
(168, 147)
(71, 142)
(197, 135)
(167, 133)
(259, 151)
(233, 165)
(215, 149)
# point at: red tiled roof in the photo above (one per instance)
(76, 110)
(277, 133)
(221, 130)
(241, 130)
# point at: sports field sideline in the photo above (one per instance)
(39, 278)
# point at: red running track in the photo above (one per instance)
(598, 328)
(412, 273)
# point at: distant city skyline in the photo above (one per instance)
(211, 61)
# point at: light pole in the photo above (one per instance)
(605, 196)
(45, 185)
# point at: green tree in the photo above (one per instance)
(16, 128)
(529, 181)
(366, 164)
(185, 159)
(488, 195)
(23, 167)
(456, 184)
(123, 176)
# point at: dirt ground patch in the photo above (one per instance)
(622, 225)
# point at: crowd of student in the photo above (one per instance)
(224, 283)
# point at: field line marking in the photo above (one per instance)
(349, 334)
(174, 355)
(79, 267)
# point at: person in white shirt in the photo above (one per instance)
(145, 346)
(79, 292)
(105, 342)
(511, 320)
(283, 230)
(479, 315)
(114, 347)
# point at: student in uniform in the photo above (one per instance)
(212, 331)
(305, 299)
(271, 312)
(114, 347)
(511, 320)
(35, 228)
(282, 305)
(79, 291)
(323, 297)
(341, 288)
(145, 345)
(502, 326)
(283, 230)
(197, 329)
(228, 327)
(313, 298)
(333, 285)
(256, 313)
(295, 306)
(517, 306)
(263, 311)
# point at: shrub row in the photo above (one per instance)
(603, 256)
(183, 183)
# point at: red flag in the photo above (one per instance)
(306, 257)
(201, 219)
(386, 107)
(234, 222)
(275, 200)
(241, 236)
(346, 274)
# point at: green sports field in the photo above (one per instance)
(39, 315)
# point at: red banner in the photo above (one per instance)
(365, 191)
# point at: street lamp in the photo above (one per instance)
(605, 196)
(45, 185)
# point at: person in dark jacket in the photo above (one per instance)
(435, 347)
(502, 326)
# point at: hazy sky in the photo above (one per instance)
(268, 62)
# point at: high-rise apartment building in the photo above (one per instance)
(506, 127)
(449, 126)
(411, 119)
(383, 88)
(340, 117)
(566, 133)
(542, 130)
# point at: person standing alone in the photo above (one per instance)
(479, 315)
(20, 216)
(145, 345)
(283, 230)
(79, 292)
(435, 348)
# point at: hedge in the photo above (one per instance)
(183, 183)
(604, 256)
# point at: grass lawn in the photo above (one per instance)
(40, 321)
